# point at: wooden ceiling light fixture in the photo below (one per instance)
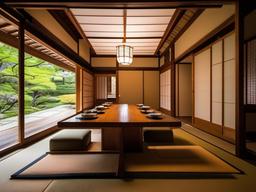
(124, 52)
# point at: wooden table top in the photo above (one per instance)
(121, 115)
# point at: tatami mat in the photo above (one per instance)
(239, 182)
(177, 159)
(71, 165)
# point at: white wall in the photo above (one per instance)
(209, 20)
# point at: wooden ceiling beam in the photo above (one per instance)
(3, 25)
(116, 4)
(155, 37)
(12, 31)
(124, 24)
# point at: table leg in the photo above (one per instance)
(121, 167)
(133, 139)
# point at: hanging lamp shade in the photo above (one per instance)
(124, 54)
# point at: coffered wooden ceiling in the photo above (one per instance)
(106, 28)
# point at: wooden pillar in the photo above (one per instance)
(21, 83)
(79, 85)
(173, 80)
(240, 115)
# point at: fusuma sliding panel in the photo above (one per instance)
(130, 87)
(217, 65)
(229, 81)
(165, 90)
(185, 89)
(202, 85)
(151, 88)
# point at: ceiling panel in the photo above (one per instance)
(131, 28)
(105, 28)
(150, 12)
(103, 34)
(105, 44)
(147, 20)
(145, 34)
(143, 40)
(105, 40)
(99, 20)
(98, 12)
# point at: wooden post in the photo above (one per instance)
(173, 81)
(78, 89)
(21, 84)
(240, 115)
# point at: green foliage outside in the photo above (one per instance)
(46, 85)
(67, 99)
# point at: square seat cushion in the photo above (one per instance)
(70, 140)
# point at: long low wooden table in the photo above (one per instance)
(121, 127)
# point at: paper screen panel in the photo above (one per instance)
(229, 81)
(202, 85)
(217, 93)
(165, 90)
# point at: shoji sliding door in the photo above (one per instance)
(202, 85)
(217, 87)
(165, 90)
(229, 84)
(214, 88)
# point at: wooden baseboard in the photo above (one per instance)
(227, 134)
(165, 111)
(207, 126)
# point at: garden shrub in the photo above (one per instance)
(68, 99)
